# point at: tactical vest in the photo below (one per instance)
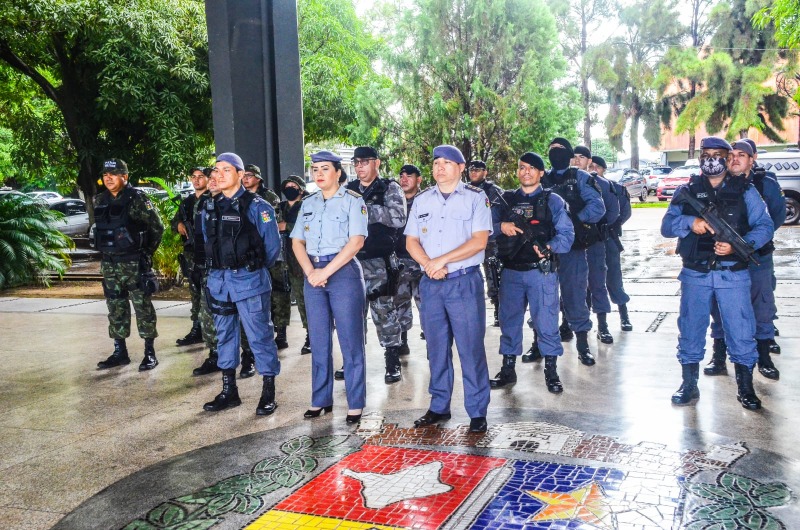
(381, 239)
(537, 214)
(757, 178)
(696, 250)
(232, 241)
(186, 209)
(566, 186)
(400, 245)
(115, 232)
(197, 220)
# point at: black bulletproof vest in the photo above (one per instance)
(232, 240)
(115, 232)
(566, 186)
(197, 219)
(537, 215)
(400, 245)
(695, 249)
(186, 208)
(757, 177)
(381, 239)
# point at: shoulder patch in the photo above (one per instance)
(472, 188)
(353, 193)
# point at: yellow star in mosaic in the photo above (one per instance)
(586, 504)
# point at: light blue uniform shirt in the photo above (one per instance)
(327, 225)
(442, 225)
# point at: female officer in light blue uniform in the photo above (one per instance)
(330, 229)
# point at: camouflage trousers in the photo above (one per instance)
(384, 312)
(281, 297)
(408, 289)
(196, 291)
(119, 286)
(207, 319)
(297, 291)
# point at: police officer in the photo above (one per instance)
(410, 181)
(128, 231)
(477, 177)
(761, 293)
(616, 289)
(183, 223)
(329, 232)
(712, 270)
(534, 226)
(386, 204)
(242, 242)
(294, 189)
(448, 227)
(586, 209)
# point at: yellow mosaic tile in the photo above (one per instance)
(279, 520)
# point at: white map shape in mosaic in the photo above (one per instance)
(380, 490)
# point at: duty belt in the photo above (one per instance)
(322, 259)
(522, 267)
(460, 272)
(120, 258)
(718, 266)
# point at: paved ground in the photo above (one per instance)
(108, 448)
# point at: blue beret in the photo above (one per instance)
(752, 144)
(325, 156)
(231, 158)
(743, 145)
(449, 152)
(714, 142)
(533, 160)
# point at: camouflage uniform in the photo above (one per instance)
(289, 215)
(494, 193)
(121, 273)
(410, 277)
(204, 313)
(185, 215)
(281, 297)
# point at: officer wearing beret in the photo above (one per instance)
(586, 209)
(242, 242)
(128, 231)
(294, 189)
(761, 290)
(616, 289)
(410, 180)
(448, 227)
(529, 271)
(477, 177)
(329, 232)
(712, 270)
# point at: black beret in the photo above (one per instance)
(533, 160)
(410, 169)
(564, 143)
(583, 150)
(478, 164)
(599, 161)
(365, 152)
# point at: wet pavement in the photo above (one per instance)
(123, 449)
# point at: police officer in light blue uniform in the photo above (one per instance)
(447, 231)
(529, 279)
(586, 208)
(712, 270)
(242, 243)
(330, 230)
(761, 287)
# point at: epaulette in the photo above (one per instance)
(354, 193)
(429, 188)
(472, 188)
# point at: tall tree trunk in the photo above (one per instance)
(635, 140)
(692, 93)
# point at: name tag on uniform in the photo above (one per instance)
(307, 214)
(231, 218)
(422, 215)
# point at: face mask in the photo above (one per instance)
(559, 158)
(291, 193)
(713, 167)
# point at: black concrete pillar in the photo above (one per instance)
(255, 83)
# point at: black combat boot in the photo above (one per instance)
(118, 358)
(507, 375)
(564, 331)
(777, 331)
(392, 365)
(717, 365)
(551, 375)
(339, 374)
(744, 381)
(584, 353)
(209, 366)
(229, 397)
(306, 349)
(280, 337)
(267, 405)
(688, 390)
(495, 303)
(404, 343)
(602, 329)
(533, 354)
(149, 362)
(624, 321)
(195, 335)
(765, 364)
(774, 347)
(248, 365)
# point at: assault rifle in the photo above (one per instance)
(493, 272)
(723, 232)
(529, 238)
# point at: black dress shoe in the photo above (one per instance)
(310, 413)
(478, 424)
(430, 418)
(352, 419)
(339, 374)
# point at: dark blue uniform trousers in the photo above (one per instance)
(456, 308)
(256, 320)
(616, 291)
(732, 291)
(573, 275)
(341, 302)
(762, 295)
(596, 258)
(538, 291)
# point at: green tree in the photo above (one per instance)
(784, 16)
(127, 79)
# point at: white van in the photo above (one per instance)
(786, 165)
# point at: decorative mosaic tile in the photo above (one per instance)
(533, 437)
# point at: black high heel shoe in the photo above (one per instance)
(315, 413)
(352, 419)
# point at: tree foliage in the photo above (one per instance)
(784, 16)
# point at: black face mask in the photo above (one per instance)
(291, 193)
(559, 158)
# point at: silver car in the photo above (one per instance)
(76, 219)
(632, 180)
(786, 166)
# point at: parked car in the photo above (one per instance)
(7, 193)
(184, 189)
(76, 219)
(653, 175)
(152, 192)
(668, 184)
(632, 180)
(786, 166)
(47, 196)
